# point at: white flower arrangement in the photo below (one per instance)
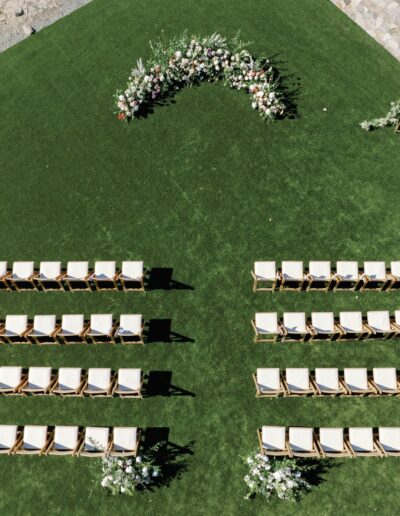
(282, 477)
(186, 61)
(392, 118)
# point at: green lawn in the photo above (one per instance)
(205, 187)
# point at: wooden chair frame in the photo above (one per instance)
(16, 390)
(36, 392)
(58, 280)
(101, 453)
(328, 284)
(11, 451)
(127, 394)
(314, 453)
(360, 393)
(52, 451)
(269, 394)
(257, 280)
(35, 339)
(290, 337)
(123, 282)
(364, 334)
(19, 450)
(133, 453)
(377, 452)
(274, 453)
(93, 338)
(316, 336)
(342, 391)
(31, 280)
(80, 338)
(311, 391)
(366, 279)
(128, 338)
(5, 281)
(373, 334)
(380, 392)
(99, 394)
(393, 280)
(337, 280)
(85, 281)
(112, 281)
(273, 337)
(283, 283)
(346, 453)
(24, 339)
(70, 392)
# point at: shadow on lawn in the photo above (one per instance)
(159, 384)
(160, 278)
(159, 330)
(170, 457)
(289, 85)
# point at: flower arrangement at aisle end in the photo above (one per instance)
(282, 477)
(186, 61)
(391, 118)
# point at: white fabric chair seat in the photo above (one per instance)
(395, 269)
(327, 379)
(389, 438)
(268, 379)
(77, 271)
(292, 271)
(265, 271)
(361, 439)
(65, 438)
(104, 271)
(130, 325)
(15, 325)
(376, 271)
(49, 271)
(69, 378)
(132, 271)
(129, 379)
(125, 439)
(99, 379)
(96, 439)
(8, 436)
(43, 325)
(34, 437)
(273, 438)
(3, 269)
(301, 439)
(22, 271)
(10, 377)
(385, 378)
(100, 324)
(331, 440)
(295, 322)
(72, 325)
(348, 271)
(319, 271)
(267, 323)
(379, 321)
(323, 322)
(351, 322)
(298, 378)
(356, 378)
(39, 378)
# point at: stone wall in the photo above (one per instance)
(379, 18)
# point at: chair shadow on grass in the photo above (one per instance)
(160, 278)
(159, 384)
(316, 469)
(170, 457)
(159, 330)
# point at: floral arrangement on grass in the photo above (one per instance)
(127, 475)
(282, 477)
(186, 61)
(392, 118)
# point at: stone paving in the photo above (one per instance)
(379, 18)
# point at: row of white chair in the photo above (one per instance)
(329, 442)
(295, 326)
(69, 440)
(326, 381)
(71, 381)
(321, 276)
(45, 329)
(75, 276)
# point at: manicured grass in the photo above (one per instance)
(202, 186)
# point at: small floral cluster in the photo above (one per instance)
(191, 60)
(126, 475)
(269, 476)
(392, 118)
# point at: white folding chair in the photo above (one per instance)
(44, 330)
(50, 276)
(129, 383)
(389, 440)
(99, 383)
(385, 381)
(374, 276)
(15, 329)
(22, 276)
(379, 324)
(362, 442)
(4, 275)
(268, 382)
(35, 440)
(266, 327)
(294, 327)
(105, 275)
(125, 441)
(323, 326)
(273, 441)
(72, 329)
(356, 381)
(347, 276)
(132, 275)
(130, 329)
(394, 276)
(10, 437)
(40, 381)
(332, 443)
(319, 276)
(292, 276)
(297, 381)
(66, 441)
(11, 379)
(265, 274)
(101, 329)
(69, 382)
(302, 442)
(352, 326)
(96, 442)
(327, 382)
(78, 276)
